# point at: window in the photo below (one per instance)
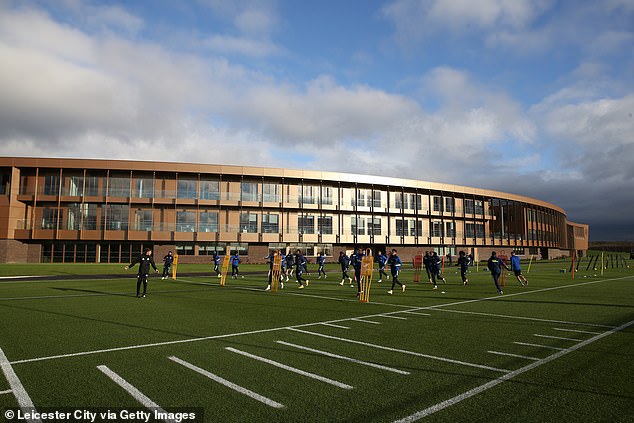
(479, 227)
(185, 221)
(450, 204)
(73, 186)
(90, 222)
(437, 204)
(51, 184)
(185, 250)
(470, 230)
(249, 191)
(450, 229)
(91, 187)
(208, 221)
(377, 199)
(5, 180)
(325, 225)
(143, 220)
(270, 223)
(186, 188)
(401, 227)
(326, 196)
(209, 189)
(469, 207)
(271, 193)
(119, 186)
(364, 198)
(436, 229)
(357, 225)
(374, 226)
(479, 207)
(143, 187)
(49, 217)
(306, 224)
(398, 200)
(309, 194)
(117, 217)
(248, 222)
(415, 201)
(416, 228)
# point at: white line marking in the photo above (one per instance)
(24, 400)
(416, 313)
(291, 369)
(143, 399)
(557, 337)
(381, 347)
(452, 401)
(228, 384)
(392, 317)
(341, 357)
(158, 344)
(539, 346)
(332, 325)
(514, 355)
(577, 331)
(365, 321)
(8, 391)
(534, 319)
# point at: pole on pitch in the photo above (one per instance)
(529, 264)
(174, 266)
(276, 272)
(225, 268)
(367, 265)
(572, 265)
(418, 265)
(602, 264)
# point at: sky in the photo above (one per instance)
(531, 97)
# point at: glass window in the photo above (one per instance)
(437, 204)
(73, 185)
(436, 229)
(119, 186)
(90, 222)
(49, 217)
(415, 201)
(377, 199)
(51, 184)
(208, 221)
(73, 216)
(450, 229)
(184, 249)
(143, 187)
(117, 217)
(470, 230)
(374, 226)
(142, 220)
(401, 227)
(469, 206)
(357, 225)
(186, 188)
(270, 223)
(309, 194)
(479, 227)
(450, 204)
(364, 198)
(325, 225)
(209, 189)
(5, 179)
(326, 196)
(306, 224)
(91, 187)
(479, 207)
(249, 191)
(415, 227)
(185, 221)
(271, 193)
(249, 222)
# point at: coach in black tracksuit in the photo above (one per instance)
(145, 260)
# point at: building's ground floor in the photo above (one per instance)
(49, 251)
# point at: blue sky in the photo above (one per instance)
(528, 97)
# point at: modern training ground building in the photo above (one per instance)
(74, 210)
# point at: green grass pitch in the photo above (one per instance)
(555, 350)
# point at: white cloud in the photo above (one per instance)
(226, 44)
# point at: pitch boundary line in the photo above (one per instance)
(472, 392)
(141, 398)
(258, 331)
(24, 400)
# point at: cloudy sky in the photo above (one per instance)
(533, 97)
